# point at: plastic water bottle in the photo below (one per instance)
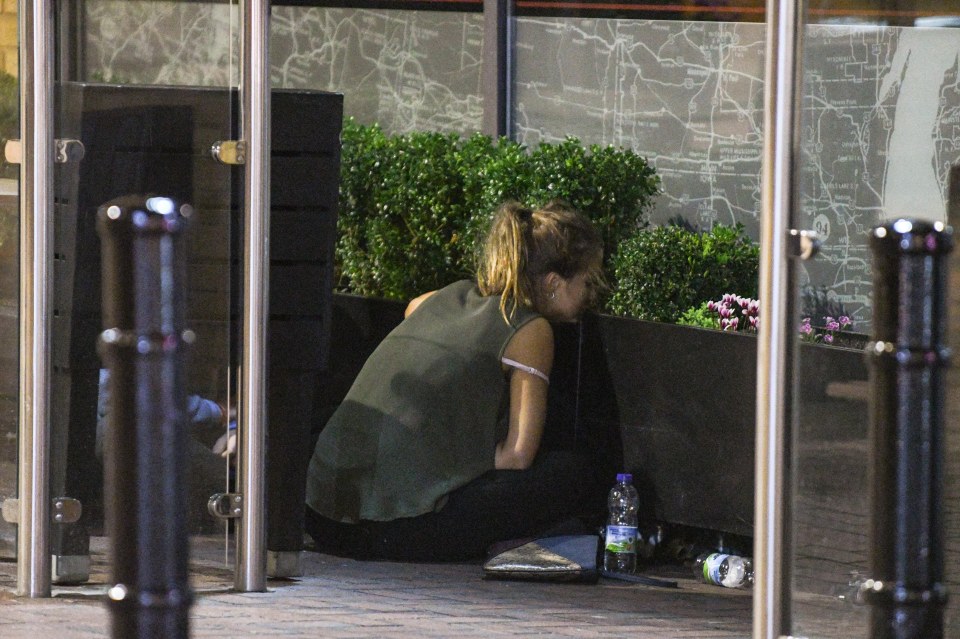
(620, 545)
(720, 569)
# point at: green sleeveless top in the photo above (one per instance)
(423, 416)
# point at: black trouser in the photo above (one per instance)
(497, 506)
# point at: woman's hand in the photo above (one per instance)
(531, 346)
(226, 445)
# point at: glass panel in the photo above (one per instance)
(147, 88)
(878, 136)
(688, 95)
(683, 86)
(9, 270)
(405, 69)
(412, 66)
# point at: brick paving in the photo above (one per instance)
(347, 598)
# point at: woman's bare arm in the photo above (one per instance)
(531, 346)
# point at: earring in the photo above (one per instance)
(553, 295)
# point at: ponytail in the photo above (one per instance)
(503, 265)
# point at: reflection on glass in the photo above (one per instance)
(9, 286)
(407, 70)
(160, 43)
(145, 88)
(879, 102)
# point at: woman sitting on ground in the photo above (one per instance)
(434, 454)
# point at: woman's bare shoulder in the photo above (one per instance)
(415, 302)
(532, 344)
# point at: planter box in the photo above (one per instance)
(683, 400)
(674, 405)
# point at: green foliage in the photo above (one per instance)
(614, 186)
(414, 208)
(662, 272)
(9, 119)
(700, 316)
(9, 130)
(397, 205)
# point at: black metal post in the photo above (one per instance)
(145, 457)
(908, 358)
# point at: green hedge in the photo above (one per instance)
(9, 120)
(663, 272)
(414, 208)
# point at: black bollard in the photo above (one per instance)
(145, 448)
(907, 366)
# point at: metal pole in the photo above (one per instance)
(143, 346)
(250, 573)
(908, 360)
(497, 67)
(771, 598)
(36, 235)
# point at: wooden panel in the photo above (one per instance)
(301, 236)
(208, 235)
(303, 124)
(304, 181)
(297, 289)
(9, 348)
(208, 297)
(298, 344)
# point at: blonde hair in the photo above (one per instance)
(524, 244)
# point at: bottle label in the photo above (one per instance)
(621, 539)
(711, 568)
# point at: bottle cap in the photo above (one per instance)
(624, 478)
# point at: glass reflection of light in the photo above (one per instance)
(161, 205)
